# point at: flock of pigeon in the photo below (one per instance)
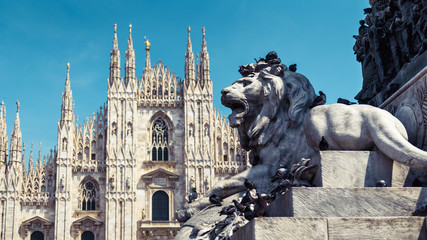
(253, 203)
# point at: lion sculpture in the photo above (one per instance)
(271, 109)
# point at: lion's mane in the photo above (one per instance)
(286, 97)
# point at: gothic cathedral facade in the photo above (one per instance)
(123, 172)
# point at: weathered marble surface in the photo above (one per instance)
(348, 202)
(333, 228)
(358, 169)
(274, 228)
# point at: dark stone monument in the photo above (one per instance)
(391, 39)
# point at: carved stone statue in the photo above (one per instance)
(270, 109)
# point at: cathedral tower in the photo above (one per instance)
(199, 115)
(14, 180)
(120, 157)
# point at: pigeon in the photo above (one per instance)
(227, 210)
(248, 198)
(260, 206)
(271, 58)
(284, 185)
(323, 144)
(240, 207)
(319, 100)
(281, 173)
(293, 67)
(268, 197)
(193, 195)
(215, 200)
(249, 213)
(381, 183)
(249, 184)
(345, 101)
(225, 222)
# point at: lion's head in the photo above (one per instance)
(267, 101)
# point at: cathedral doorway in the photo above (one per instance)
(88, 235)
(160, 203)
(37, 235)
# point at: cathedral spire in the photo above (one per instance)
(67, 79)
(16, 139)
(204, 61)
(189, 60)
(67, 107)
(115, 59)
(204, 46)
(130, 60)
(31, 163)
(147, 56)
(4, 139)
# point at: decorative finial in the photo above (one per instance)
(147, 43)
(189, 29)
(115, 28)
(17, 106)
(130, 29)
(203, 30)
(68, 67)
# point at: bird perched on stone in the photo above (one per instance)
(284, 185)
(215, 200)
(345, 101)
(225, 222)
(249, 213)
(249, 197)
(193, 195)
(240, 207)
(319, 100)
(260, 205)
(281, 173)
(381, 183)
(271, 58)
(268, 197)
(293, 67)
(227, 210)
(249, 184)
(323, 144)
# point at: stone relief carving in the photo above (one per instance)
(392, 34)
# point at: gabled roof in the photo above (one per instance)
(37, 218)
(87, 218)
(159, 171)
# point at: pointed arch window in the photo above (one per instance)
(160, 141)
(88, 195)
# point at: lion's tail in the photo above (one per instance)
(395, 145)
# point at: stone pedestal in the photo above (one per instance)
(275, 228)
(346, 204)
(358, 169)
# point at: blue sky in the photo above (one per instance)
(38, 38)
